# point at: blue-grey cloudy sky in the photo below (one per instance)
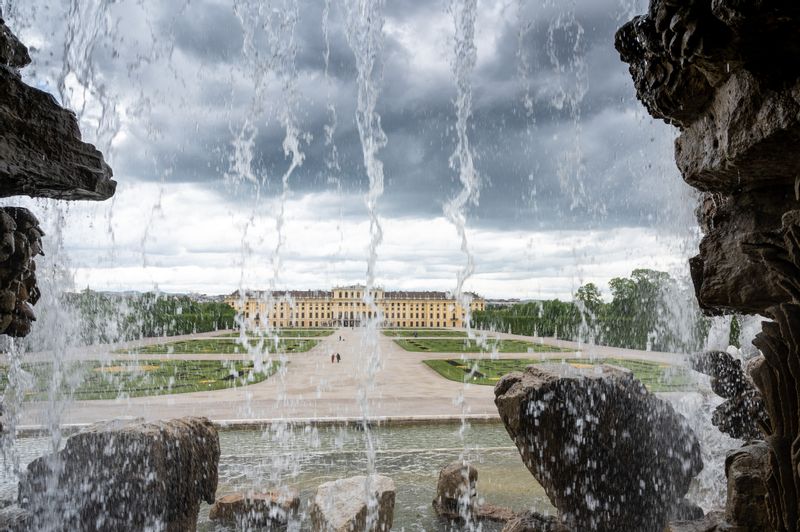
(577, 182)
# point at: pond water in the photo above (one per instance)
(411, 455)
(303, 457)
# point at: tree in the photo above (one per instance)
(115, 317)
(649, 309)
(591, 298)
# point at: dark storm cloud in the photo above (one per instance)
(211, 33)
(196, 90)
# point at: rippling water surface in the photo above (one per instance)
(411, 455)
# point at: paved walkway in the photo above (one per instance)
(311, 387)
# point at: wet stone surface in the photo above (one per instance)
(125, 476)
(20, 243)
(245, 510)
(41, 152)
(609, 454)
(341, 505)
(455, 490)
(725, 72)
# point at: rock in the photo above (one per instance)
(125, 476)
(726, 73)
(41, 152)
(456, 491)
(20, 242)
(777, 373)
(41, 155)
(686, 510)
(14, 519)
(737, 141)
(746, 509)
(13, 53)
(342, 505)
(746, 469)
(743, 415)
(609, 454)
(456, 496)
(246, 510)
(491, 512)
(7, 301)
(534, 522)
(711, 522)
(725, 277)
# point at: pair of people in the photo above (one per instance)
(336, 358)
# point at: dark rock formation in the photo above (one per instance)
(125, 476)
(609, 454)
(20, 242)
(727, 73)
(685, 510)
(13, 53)
(455, 490)
(457, 496)
(534, 522)
(251, 510)
(15, 519)
(747, 469)
(746, 508)
(711, 522)
(41, 153)
(342, 505)
(743, 415)
(494, 513)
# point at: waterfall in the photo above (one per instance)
(365, 37)
(465, 55)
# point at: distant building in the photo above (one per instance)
(344, 306)
(503, 302)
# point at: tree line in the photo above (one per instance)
(648, 310)
(115, 317)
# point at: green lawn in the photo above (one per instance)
(657, 377)
(225, 346)
(435, 333)
(447, 345)
(96, 380)
(286, 333)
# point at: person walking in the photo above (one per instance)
(332, 357)
(338, 357)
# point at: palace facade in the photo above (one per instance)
(345, 306)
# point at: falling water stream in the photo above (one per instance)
(364, 24)
(465, 56)
(99, 53)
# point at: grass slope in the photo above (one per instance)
(657, 377)
(225, 346)
(437, 345)
(431, 333)
(285, 333)
(96, 380)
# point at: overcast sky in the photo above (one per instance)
(577, 183)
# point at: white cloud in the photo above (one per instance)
(182, 98)
(180, 238)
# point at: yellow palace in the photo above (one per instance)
(345, 306)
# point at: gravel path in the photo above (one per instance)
(311, 387)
